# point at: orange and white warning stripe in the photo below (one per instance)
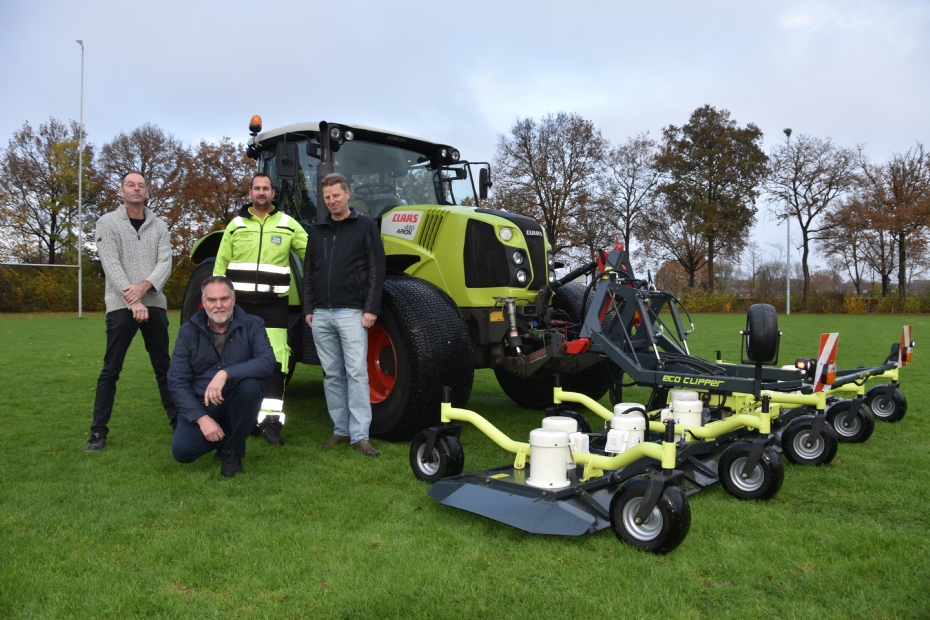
(826, 358)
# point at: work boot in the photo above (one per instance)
(335, 440)
(272, 434)
(365, 448)
(232, 464)
(96, 442)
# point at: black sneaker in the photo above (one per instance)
(96, 442)
(272, 434)
(232, 464)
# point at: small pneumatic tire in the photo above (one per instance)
(447, 458)
(664, 529)
(797, 447)
(850, 426)
(763, 483)
(892, 411)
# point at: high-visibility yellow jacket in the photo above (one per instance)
(255, 254)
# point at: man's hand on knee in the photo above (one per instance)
(210, 429)
(214, 393)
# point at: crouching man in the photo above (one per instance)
(220, 361)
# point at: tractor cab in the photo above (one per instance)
(383, 170)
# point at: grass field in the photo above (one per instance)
(311, 532)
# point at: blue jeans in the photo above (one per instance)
(235, 415)
(342, 345)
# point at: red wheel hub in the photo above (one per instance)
(382, 363)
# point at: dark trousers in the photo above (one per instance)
(236, 416)
(121, 329)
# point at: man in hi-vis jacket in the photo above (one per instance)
(255, 255)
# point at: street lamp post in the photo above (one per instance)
(80, 180)
(788, 246)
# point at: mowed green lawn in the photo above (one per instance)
(311, 532)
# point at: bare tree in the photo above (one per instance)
(548, 170)
(808, 175)
(846, 240)
(630, 181)
(900, 189)
(213, 189)
(670, 235)
(162, 160)
(711, 172)
(38, 204)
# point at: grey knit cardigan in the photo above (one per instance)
(129, 257)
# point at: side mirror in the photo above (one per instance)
(484, 182)
(286, 160)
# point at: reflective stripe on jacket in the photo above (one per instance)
(255, 254)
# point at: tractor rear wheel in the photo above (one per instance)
(535, 391)
(419, 345)
(191, 301)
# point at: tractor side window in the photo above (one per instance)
(296, 197)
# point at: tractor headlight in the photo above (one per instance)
(551, 276)
(506, 234)
(335, 133)
(517, 257)
(522, 276)
(551, 258)
(455, 155)
(349, 135)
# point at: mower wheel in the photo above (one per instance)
(850, 426)
(762, 333)
(191, 301)
(764, 481)
(664, 529)
(893, 411)
(797, 447)
(418, 345)
(447, 458)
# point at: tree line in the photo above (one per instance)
(686, 202)
(196, 189)
(689, 199)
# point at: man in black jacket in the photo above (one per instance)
(343, 278)
(220, 359)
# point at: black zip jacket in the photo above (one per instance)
(344, 267)
(246, 355)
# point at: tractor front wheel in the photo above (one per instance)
(665, 527)
(850, 426)
(893, 411)
(762, 483)
(419, 345)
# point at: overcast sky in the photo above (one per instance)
(462, 72)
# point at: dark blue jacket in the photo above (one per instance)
(246, 354)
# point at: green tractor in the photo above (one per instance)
(466, 287)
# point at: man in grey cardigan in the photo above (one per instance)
(135, 252)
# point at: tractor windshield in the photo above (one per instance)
(380, 177)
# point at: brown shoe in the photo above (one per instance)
(335, 440)
(365, 448)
